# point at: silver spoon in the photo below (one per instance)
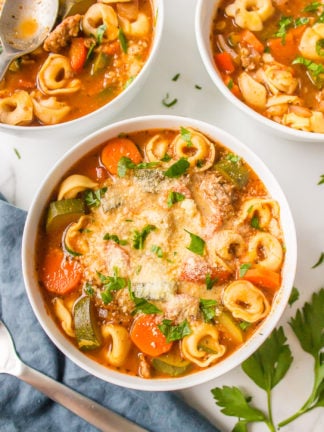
(24, 25)
(92, 412)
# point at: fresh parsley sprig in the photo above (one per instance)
(270, 363)
(111, 283)
(93, 197)
(141, 304)
(140, 236)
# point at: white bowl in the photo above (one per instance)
(204, 14)
(96, 119)
(41, 200)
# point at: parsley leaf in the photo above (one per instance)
(93, 198)
(174, 197)
(269, 364)
(244, 268)
(111, 283)
(141, 304)
(174, 332)
(166, 158)
(210, 282)
(186, 136)
(235, 404)
(308, 325)
(122, 40)
(312, 7)
(157, 250)
(320, 261)
(100, 33)
(316, 70)
(140, 237)
(286, 23)
(177, 169)
(197, 244)
(255, 222)
(115, 238)
(294, 296)
(208, 308)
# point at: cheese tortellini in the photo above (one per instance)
(245, 301)
(250, 14)
(266, 250)
(64, 316)
(202, 346)
(119, 343)
(97, 15)
(16, 109)
(56, 76)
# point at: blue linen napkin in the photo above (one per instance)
(24, 408)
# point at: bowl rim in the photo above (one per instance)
(36, 210)
(158, 20)
(206, 56)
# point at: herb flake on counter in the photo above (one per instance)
(16, 151)
(319, 261)
(321, 180)
(166, 101)
(177, 169)
(198, 87)
(176, 77)
(197, 244)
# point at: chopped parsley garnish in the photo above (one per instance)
(166, 158)
(316, 70)
(197, 244)
(294, 296)
(125, 164)
(230, 84)
(244, 325)
(140, 237)
(115, 238)
(100, 33)
(174, 197)
(312, 7)
(186, 136)
(287, 23)
(255, 223)
(176, 77)
(93, 198)
(208, 308)
(319, 261)
(111, 283)
(157, 251)
(174, 332)
(320, 47)
(141, 304)
(178, 168)
(209, 281)
(166, 101)
(122, 40)
(244, 268)
(88, 289)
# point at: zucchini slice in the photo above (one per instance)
(236, 173)
(62, 213)
(231, 328)
(86, 330)
(171, 364)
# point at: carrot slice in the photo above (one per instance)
(224, 62)
(58, 274)
(286, 50)
(147, 336)
(78, 54)
(249, 38)
(115, 149)
(263, 277)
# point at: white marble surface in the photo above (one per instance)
(297, 166)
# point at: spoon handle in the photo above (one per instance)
(5, 60)
(91, 411)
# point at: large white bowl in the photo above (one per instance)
(204, 14)
(100, 117)
(41, 200)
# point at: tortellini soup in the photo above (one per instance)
(270, 55)
(160, 253)
(95, 50)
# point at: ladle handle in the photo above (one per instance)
(95, 414)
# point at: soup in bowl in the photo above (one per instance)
(265, 57)
(89, 67)
(159, 253)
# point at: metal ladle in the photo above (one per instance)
(24, 25)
